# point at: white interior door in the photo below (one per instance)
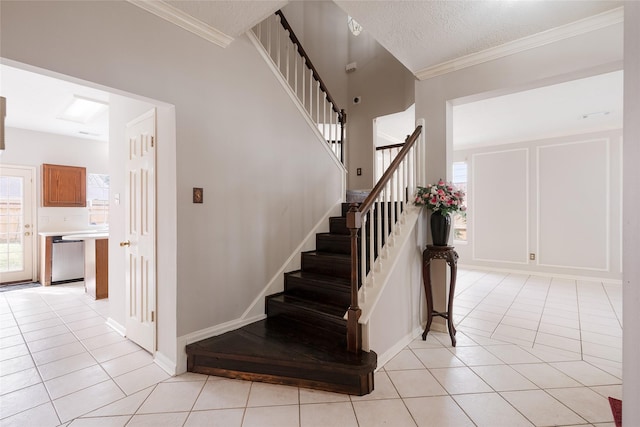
(140, 243)
(16, 224)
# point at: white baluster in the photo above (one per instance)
(403, 187)
(392, 221)
(278, 41)
(304, 91)
(318, 103)
(288, 58)
(363, 251)
(331, 129)
(378, 203)
(372, 231)
(324, 118)
(385, 211)
(295, 69)
(311, 93)
(269, 38)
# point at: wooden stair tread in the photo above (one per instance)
(330, 310)
(336, 256)
(323, 279)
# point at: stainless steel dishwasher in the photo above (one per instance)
(67, 260)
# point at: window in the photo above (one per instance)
(460, 221)
(98, 198)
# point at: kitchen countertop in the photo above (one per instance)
(86, 236)
(68, 232)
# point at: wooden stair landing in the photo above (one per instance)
(279, 351)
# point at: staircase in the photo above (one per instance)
(302, 342)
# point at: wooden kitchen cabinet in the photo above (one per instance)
(64, 186)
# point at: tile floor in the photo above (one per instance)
(531, 351)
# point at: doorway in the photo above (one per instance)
(17, 234)
(23, 147)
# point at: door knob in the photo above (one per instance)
(28, 233)
(125, 243)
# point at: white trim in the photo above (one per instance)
(621, 197)
(540, 274)
(527, 172)
(592, 23)
(116, 327)
(607, 205)
(502, 261)
(165, 363)
(294, 98)
(294, 260)
(35, 261)
(184, 20)
(398, 347)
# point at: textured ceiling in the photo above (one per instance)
(422, 34)
(230, 17)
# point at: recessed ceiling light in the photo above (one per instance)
(82, 110)
(595, 114)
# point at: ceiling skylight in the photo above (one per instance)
(83, 110)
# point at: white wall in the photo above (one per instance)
(29, 148)
(631, 225)
(266, 180)
(557, 198)
(401, 306)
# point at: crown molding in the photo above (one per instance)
(592, 23)
(184, 20)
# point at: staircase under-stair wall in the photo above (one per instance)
(302, 341)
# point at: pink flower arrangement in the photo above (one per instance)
(441, 197)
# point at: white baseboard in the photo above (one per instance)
(165, 363)
(116, 327)
(397, 348)
(540, 273)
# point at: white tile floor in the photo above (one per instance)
(531, 351)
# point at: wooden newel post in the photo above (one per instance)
(354, 336)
